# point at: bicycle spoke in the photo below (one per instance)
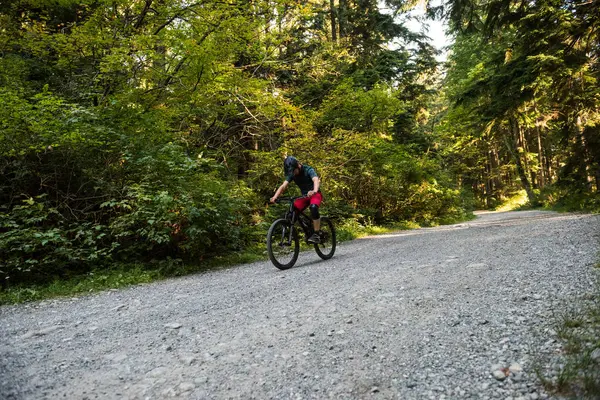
(326, 248)
(282, 244)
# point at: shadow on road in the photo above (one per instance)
(485, 219)
(317, 260)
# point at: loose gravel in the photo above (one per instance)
(454, 312)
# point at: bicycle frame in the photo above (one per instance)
(283, 238)
(294, 216)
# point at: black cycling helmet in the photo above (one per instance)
(289, 165)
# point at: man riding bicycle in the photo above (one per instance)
(308, 181)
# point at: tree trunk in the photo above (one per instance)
(496, 171)
(590, 159)
(524, 144)
(548, 158)
(542, 177)
(342, 17)
(333, 22)
(489, 182)
(513, 148)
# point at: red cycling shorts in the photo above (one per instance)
(304, 202)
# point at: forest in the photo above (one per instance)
(151, 133)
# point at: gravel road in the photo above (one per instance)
(455, 312)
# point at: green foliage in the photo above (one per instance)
(131, 133)
(96, 280)
(523, 97)
(563, 198)
(354, 109)
(351, 228)
(114, 201)
(37, 244)
(177, 208)
(579, 331)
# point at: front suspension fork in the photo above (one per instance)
(289, 238)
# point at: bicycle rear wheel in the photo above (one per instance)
(326, 247)
(283, 244)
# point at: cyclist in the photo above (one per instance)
(309, 183)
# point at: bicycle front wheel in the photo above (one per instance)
(283, 244)
(326, 247)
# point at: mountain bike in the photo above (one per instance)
(283, 241)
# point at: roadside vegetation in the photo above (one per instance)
(142, 139)
(122, 276)
(579, 332)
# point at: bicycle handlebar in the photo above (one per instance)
(288, 199)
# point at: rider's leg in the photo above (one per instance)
(315, 202)
(301, 203)
(314, 213)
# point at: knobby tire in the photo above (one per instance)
(277, 244)
(326, 249)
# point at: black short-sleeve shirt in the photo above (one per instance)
(304, 180)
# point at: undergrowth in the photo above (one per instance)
(579, 332)
(126, 275)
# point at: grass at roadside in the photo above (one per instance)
(123, 276)
(119, 277)
(549, 200)
(579, 331)
(579, 375)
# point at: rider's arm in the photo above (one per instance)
(316, 184)
(280, 190)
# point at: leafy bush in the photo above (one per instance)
(568, 198)
(162, 145)
(200, 218)
(36, 243)
(92, 196)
